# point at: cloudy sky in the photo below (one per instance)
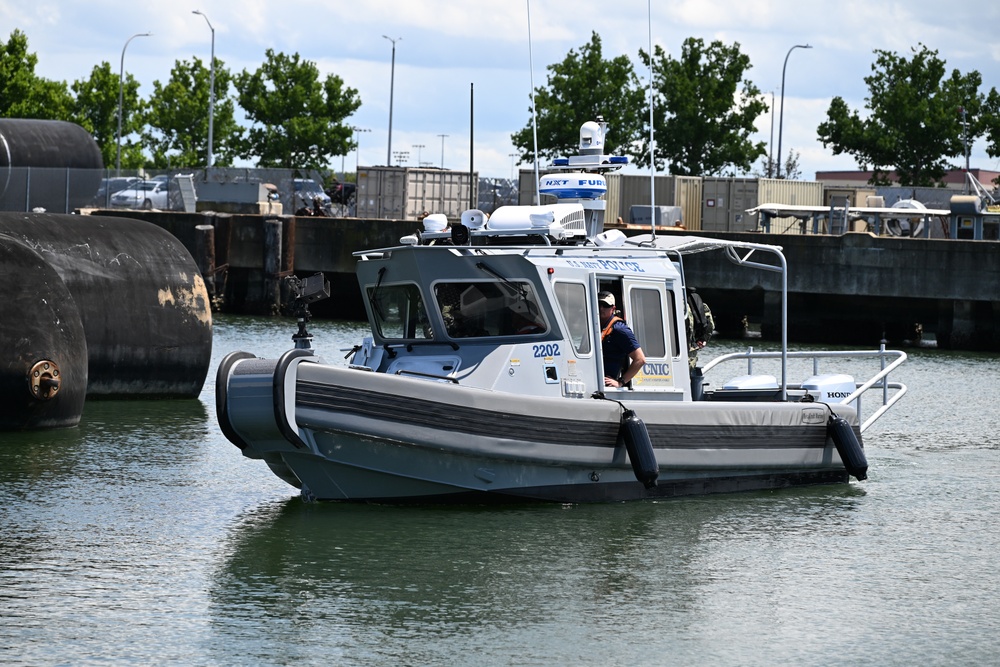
(446, 47)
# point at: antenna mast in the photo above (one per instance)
(534, 115)
(652, 150)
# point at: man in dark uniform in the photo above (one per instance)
(618, 345)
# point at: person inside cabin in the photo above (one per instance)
(523, 318)
(700, 325)
(623, 356)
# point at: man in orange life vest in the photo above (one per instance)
(618, 344)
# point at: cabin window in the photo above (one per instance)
(572, 298)
(489, 308)
(646, 320)
(399, 311)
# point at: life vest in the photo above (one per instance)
(611, 324)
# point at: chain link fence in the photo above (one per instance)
(58, 190)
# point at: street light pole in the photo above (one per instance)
(442, 148)
(121, 90)
(770, 145)
(392, 86)
(418, 147)
(211, 90)
(357, 150)
(781, 118)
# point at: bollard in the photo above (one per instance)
(272, 265)
(204, 244)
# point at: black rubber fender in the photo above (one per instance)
(848, 446)
(640, 449)
(43, 370)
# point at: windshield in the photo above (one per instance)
(489, 308)
(398, 312)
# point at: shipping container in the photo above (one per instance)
(848, 196)
(835, 196)
(797, 193)
(402, 193)
(687, 195)
(627, 190)
(725, 204)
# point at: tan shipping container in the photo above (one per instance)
(852, 196)
(798, 193)
(402, 193)
(855, 196)
(627, 190)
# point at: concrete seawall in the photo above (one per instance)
(858, 288)
(851, 289)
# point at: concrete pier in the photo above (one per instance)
(859, 288)
(850, 289)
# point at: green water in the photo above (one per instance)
(144, 537)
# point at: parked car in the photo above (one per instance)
(144, 194)
(305, 193)
(110, 186)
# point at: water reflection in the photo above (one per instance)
(55, 480)
(373, 580)
(114, 438)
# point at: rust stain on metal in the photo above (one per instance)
(191, 296)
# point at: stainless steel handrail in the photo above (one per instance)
(877, 381)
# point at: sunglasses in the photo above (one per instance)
(606, 305)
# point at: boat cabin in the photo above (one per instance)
(522, 318)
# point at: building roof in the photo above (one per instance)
(953, 179)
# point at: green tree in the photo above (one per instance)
(704, 111)
(133, 110)
(22, 93)
(176, 133)
(297, 120)
(768, 166)
(581, 88)
(96, 108)
(990, 118)
(913, 122)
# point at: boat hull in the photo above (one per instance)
(345, 434)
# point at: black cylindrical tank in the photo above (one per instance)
(52, 164)
(43, 370)
(142, 301)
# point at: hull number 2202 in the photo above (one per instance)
(547, 350)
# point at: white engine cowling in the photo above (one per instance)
(830, 388)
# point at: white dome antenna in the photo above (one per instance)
(592, 137)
